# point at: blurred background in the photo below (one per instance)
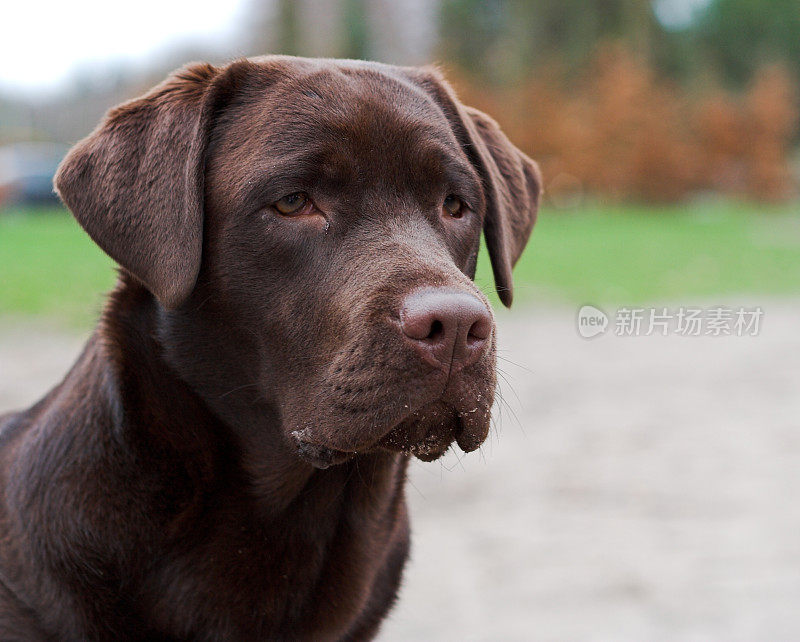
(634, 487)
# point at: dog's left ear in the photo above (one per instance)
(512, 182)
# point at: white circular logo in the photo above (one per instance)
(591, 321)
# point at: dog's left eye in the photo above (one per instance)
(454, 206)
(292, 203)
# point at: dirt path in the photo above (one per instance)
(648, 488)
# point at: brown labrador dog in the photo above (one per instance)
(295, 317)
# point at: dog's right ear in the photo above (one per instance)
(135, 184)
(512, 182)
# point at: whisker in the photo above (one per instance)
(414, 486)
(247, 385)
(505, 377)
(514, 363)
(510, 409)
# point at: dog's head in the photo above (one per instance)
(330, 212)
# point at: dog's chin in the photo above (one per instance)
(427, 434)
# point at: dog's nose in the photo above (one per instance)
(448, 328)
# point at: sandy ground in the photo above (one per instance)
(640, 488)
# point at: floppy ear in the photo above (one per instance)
(512, 182)
(513, 186)
(135, 184)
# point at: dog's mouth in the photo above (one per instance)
(402, 406)
(427, 434)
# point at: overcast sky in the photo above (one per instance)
(42, 41)
(676, 14)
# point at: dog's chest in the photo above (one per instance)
(309, 575)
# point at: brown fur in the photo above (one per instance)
(226, 460)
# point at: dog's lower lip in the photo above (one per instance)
(321, 456)
(318, 456)
(464, 439)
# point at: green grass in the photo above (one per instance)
(634, 255)
(50, 268)
(626, 255)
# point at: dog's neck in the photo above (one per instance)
(142, 466)
(198, 401)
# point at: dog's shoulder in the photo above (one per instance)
(11, 423)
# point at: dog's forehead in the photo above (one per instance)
(339, 90)
(353, 109)
(353, 125)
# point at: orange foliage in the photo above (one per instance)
(623, 133)
(772, 118)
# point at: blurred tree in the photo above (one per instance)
(401, 31)
(308, 28)
(393, 31)
(739, 36)
(502, 40)
(355, 26)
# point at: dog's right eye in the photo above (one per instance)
(294, 203)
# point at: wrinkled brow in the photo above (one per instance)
(444, 163)
(276, 178)
(428, 170)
